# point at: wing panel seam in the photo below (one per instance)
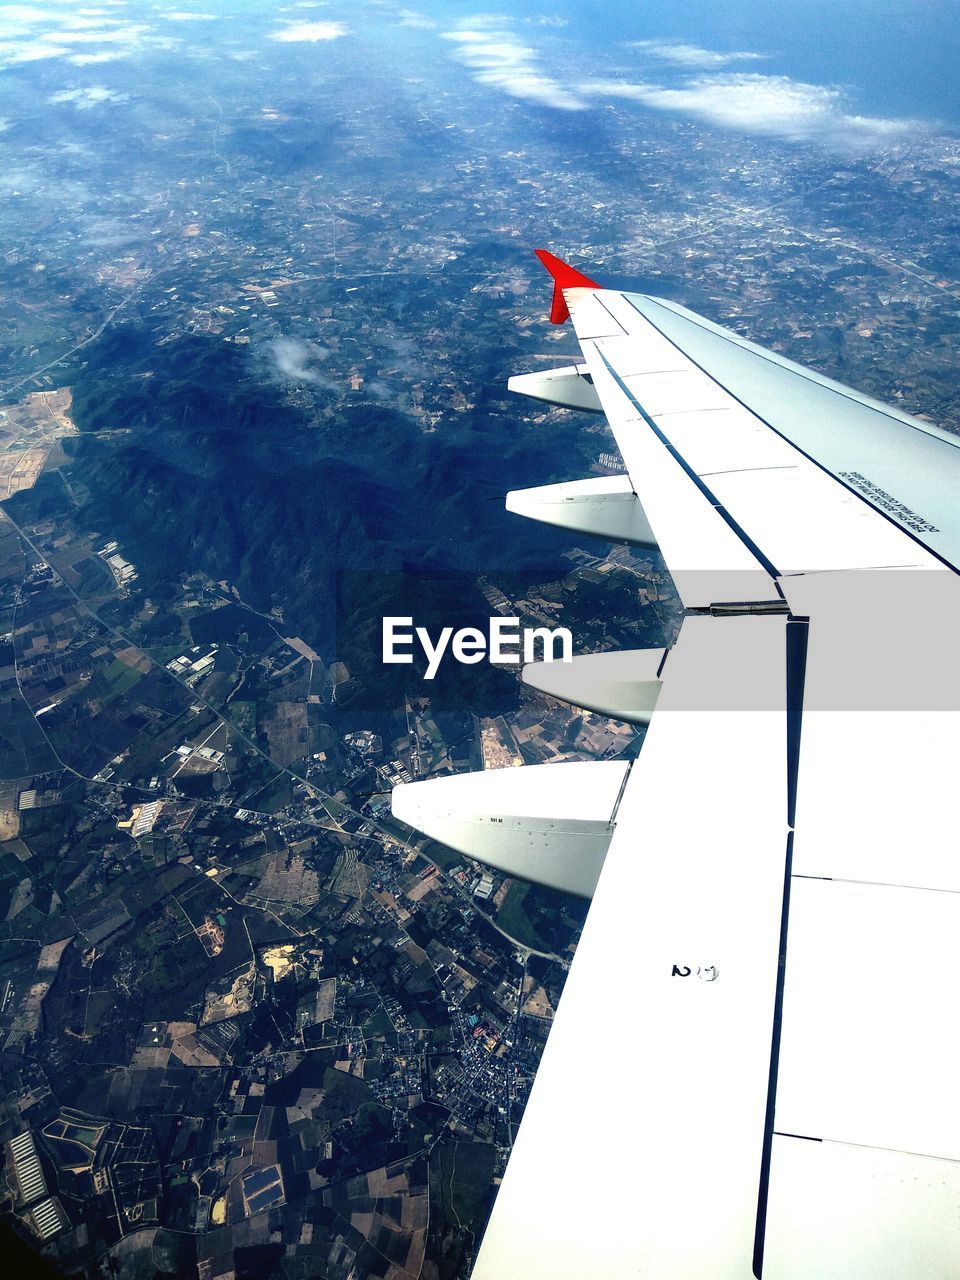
(705, 490)
(810, 458)
(797, 630)
(837, 388)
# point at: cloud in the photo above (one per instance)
(772, 105)
(129, 34)
(186, 15)
(91, 59)
(90, 96)
(746, 101)
(410, 18)
(378, 389)
(775, 106)
(487, 48)
(749, 102)
(32, 51)
(83, 38)
(80, 22)
(24, 14)
(691, 55)
(309, 32)
(294, 360)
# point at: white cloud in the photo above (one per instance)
(25, 14)
(129, 34)
(89, 22)
(294, 360)
(310, 32)
(32, 51)
(495, 58)
(85, 38)
(691, 55)
(410, 18)
(772, 105)
(16, 30)
(91, 59)
(97, 95)
(186, 15)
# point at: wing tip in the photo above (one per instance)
(564, 277)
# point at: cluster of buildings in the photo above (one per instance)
(123, 571)
(46, 1215)
(192, 666)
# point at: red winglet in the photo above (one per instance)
(564, 277)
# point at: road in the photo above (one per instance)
(52, 364)
(335, 808)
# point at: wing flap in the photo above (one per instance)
(867, 1016)
(654, 1078)
(860, 1214)
(807, 524)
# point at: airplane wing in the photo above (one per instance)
(752, 1068)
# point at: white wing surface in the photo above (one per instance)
(752, 1070)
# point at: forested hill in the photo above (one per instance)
(193, 459)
